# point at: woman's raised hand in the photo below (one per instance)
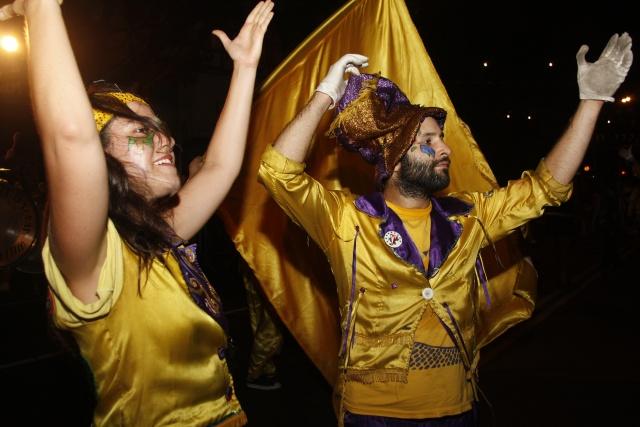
(246, 48)
(14, 9)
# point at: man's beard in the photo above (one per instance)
(420, 180)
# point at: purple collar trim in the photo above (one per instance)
(444, 233)
(200, 289)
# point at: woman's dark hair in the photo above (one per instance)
(140, 221)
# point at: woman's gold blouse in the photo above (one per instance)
(156, 357)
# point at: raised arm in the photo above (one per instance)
(598, 83)
(73, 156)
(204, 191)
(295, 140)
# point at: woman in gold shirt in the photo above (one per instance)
(122, 280)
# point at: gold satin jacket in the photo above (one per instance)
(383, 287)
(157, 359)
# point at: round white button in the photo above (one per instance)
(393, 239)
(427, 293)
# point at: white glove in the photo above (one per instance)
(8, 11)
(601, 79)
(334, 83)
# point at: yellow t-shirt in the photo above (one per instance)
(417, 222)
(156, 357)
(436, 384)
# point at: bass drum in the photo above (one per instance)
(19, 224)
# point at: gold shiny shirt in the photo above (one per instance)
(154, 356)
(381, 310)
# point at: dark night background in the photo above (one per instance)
(165, 51)
(565, 367)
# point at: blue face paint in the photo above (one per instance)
(427, 150)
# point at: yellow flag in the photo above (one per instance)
(293, 272)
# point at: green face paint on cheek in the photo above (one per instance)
(427, 150)
(145, 140)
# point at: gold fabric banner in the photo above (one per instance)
(291, 269)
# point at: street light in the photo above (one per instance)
(9, 44)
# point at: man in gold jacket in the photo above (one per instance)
(409, 279)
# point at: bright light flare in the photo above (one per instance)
(9, 43)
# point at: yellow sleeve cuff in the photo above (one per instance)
(561, 192)
(69, 311)
(279, 163)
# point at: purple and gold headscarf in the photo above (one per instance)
(377, 120)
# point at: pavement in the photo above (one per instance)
(572, 364)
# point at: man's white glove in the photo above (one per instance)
(334, 83)
(601, 79)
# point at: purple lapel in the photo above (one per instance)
(444, 233)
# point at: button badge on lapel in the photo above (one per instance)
(393, 239)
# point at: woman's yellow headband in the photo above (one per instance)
(102, 117)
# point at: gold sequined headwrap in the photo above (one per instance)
(376, 119)
(102, 117)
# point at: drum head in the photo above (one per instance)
(18, 223)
